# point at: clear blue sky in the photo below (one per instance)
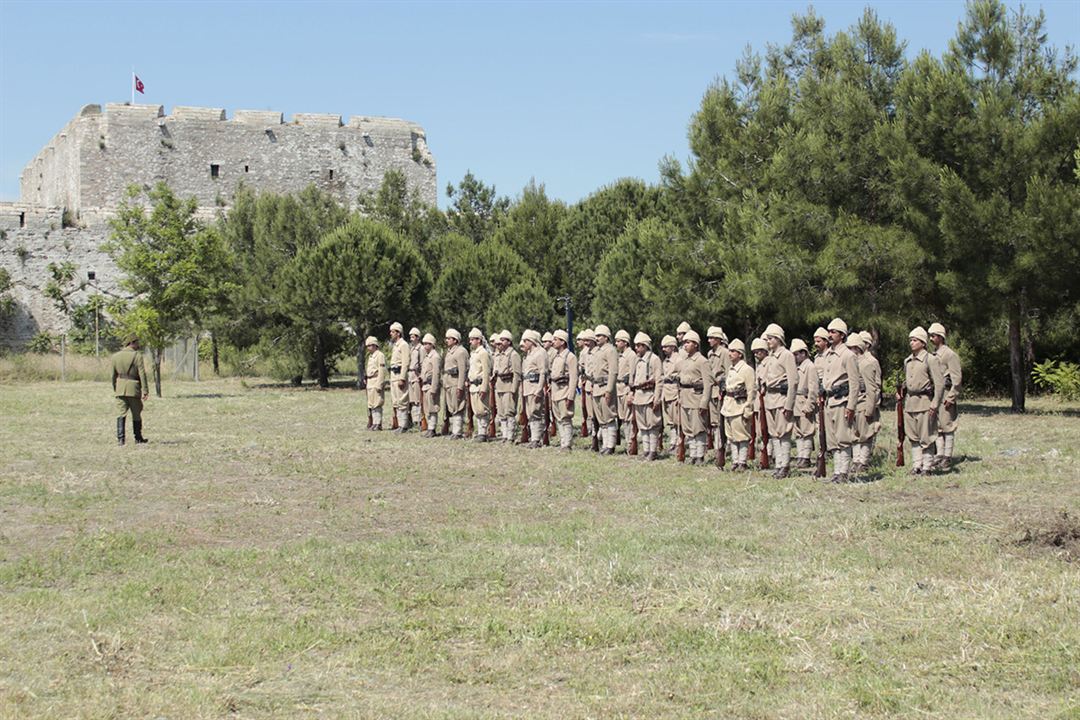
(575, 95)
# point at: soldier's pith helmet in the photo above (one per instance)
(396, 326)
(588, 334)
(642, 339)
(415, 331)
(867, 339)
(452, 333)
(476, 333)
(798, 345)
(838, 325)
(759, 344)
(737, 345)
(936, 329)
(919, 334)
(716, 332)
(602, 330)
(494, 337)
(507, 336)
(370, 341)
(668, 341)
(429, 339)
(622, 335)
(821, 333)
(684, 327)
(774, 330)
(692, 336)
(560, 335)
(855, 341)
(546, 337)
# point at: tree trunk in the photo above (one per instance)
(1016, 358)
(214, 354)
(157, 352)
(320, 361)
(360, 375)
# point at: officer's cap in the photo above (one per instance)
(396, 326)
(371, 341)
(736, 345)
(622, 335)
(774, 330)
(416, 332)
(560, 335)
(546, 337)
(919, 334)
(821, 333)
(797, 344)
(452, 333)
(759, 344)
(475, 333)
(668, 341)
(684, 327)
(602, 330)
(130, 338)
(507, 336)
(642, 339)
(936, 329)
(692, 336)
(429, 339)
(838, 325)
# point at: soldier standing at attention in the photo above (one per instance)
(430, 384)
(695, 389)
(867, 412)
(924, 385)
(375, 372)
(805, 405)
(455, 379)
(627, 358)
(564, 382)
(719, 362)
(479, 379)
(841, 386)
(534, 370)
(647, 398)
(821, 346)
(948, 420)
(588, 347)
(605, 368)
(781, 382)
(507, 384)
(130, 388)
(416, 362)
(547, 341)
(399, 377)
(680, 335)
(760, 349)
(738, 407)
(669, 371)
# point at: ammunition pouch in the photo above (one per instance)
(452, 372)
(925, 392)
(560, 381)
(478, 381)
(395, 368)
(533, 377)
(838, 391)
(696, 387)
(781, 388)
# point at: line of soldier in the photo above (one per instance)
(704, 397)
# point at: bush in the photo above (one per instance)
(42, 343)
(1059, 378)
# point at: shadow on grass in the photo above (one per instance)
(992, 410)
(303, 387)
(205, 396)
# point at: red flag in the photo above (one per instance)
(139, 85)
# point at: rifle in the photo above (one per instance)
(491, 420)
(469, 428)
(584, 413)
(393, 423)
(680, 454)
(369, 421)
(549, 424)
(523, 420)
(552, 430)
(901, 392)
(423, 412)
(750, 454)
(819, 470)
(596, 434)
(446, 414)
(721, 444)
(632, 446)
(764, 432)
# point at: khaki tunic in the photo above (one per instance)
(627, 358)
(806, 401)
(507, 369)
(585, 373)
(780, 381)
(455, 378)
(375, 372)
(564, 382)
(694, 373)
(669, 370)
(948, 419)
(480, 381)
(431, 381)
(719, 363)
(738, 405)
(533, 376)
(648, 390)
(399, 374)
(129, 382)
(924, 385)
(841, 383)
(605, 366)
(868, 411)
(416, 364)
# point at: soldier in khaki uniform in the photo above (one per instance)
(719, 362)
(948, 420)
(585, 358)
(805, 405)
(781, 384)
(867, 412)
(695, 389)
(534, 371)
(549, 348)
(507, 369)
(130, 388)
(669, 370)
(738, 405)
(479, 383)
(841, 386)
(399, 377)
(564, 383)
(627, 358)
(375, 372)
(605, 367)
(821, 346)
(924, 387)
(416, 362)
(680, 336)
(455, 378)
(431, 384)
(647, 396)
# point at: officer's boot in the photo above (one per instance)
(136, 425)
(121, 422)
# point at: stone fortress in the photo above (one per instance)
(73, 186)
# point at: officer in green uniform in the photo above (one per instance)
(130, 388)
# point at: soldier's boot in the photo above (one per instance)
(136, 426)
(929, 456)
(916, 460)
(376, 419)
(121, 430)
(414, 410)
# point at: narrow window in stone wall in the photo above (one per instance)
(245, 168)
(214, 169)
(331, 174)
(22, 218)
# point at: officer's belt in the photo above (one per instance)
(838, 391)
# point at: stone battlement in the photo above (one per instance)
(202, 152)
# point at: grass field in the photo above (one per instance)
(267, 557)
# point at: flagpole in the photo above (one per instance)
(132, 85)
